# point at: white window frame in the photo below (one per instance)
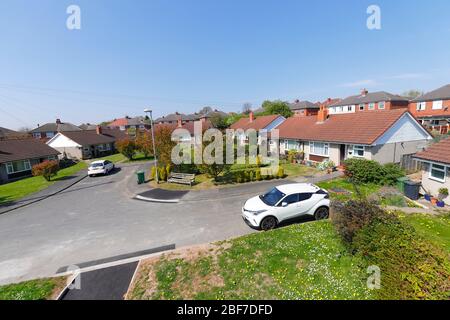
(352, 108)
(286, 145)
(371, 106)
(437, 105)
(326, 147)
(381, 105)
(421, 106)
(49, 134)
(432, 167)
(10, 166)
(357, 148)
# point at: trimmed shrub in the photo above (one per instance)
(258, 175)
(127, 147)
(280, 173)
(390, 173)
(47, 169)
(168, 170)
(153, 173)
(252, 175)
(162, 174)
(369, 171)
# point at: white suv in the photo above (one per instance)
(100, 167)
(286, 202)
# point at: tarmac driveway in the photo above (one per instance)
(96, 219)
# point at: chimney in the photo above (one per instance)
(179, 121)
(98, 129)
(297, 101)
(252, 116)
(322, 115)
(364, 92)
(58, 121)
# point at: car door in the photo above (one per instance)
(305, 202)
(287, 207)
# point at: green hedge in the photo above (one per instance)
(369, 171)
(411, 267)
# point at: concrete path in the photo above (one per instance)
(52, 190)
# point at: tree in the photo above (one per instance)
(164, 144)
(144, 143)
(218, 121)
(247, 108)
(127, 147)
(47, 169)
(205, 110)
(277, 107)
(412, 94)
(213, 170)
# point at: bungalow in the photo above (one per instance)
(369, 101)
(260, 123)
(432, 109)
(436, 168)
(7, 134)
(83, 144)
(383, 136)
(127, 123)
(49, 130)
(17, 157)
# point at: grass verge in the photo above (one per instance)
(306, 261)
(13, 191)
(40, 289)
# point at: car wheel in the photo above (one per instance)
(322, 213)
(268, 223)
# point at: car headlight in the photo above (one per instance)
(258, 212)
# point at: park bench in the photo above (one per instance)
(181, 178)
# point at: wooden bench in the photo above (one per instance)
(181, 178)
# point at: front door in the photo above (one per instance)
(342, 154)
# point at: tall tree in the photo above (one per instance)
(246, 108)
(277, 107)
(164, 144)
(144, 142)
(412, 94)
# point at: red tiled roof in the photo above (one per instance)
(361, 128)
(190, 126)
(119, 122)
(330, 102)
(438, 152)
(258, 123)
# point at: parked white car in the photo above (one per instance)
(286, 202)
(100, 167)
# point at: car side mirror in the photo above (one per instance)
(284, 204)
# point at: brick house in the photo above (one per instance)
(49, 130)
(432, 109)
(304, 108)
(369, 101)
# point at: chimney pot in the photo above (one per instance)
(364, 92)
(322, 115)
(98, 129)
(58, 121)
(252, 116)
(179, 122)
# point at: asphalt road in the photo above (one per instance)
(97, 219)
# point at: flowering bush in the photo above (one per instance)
(47, 169)
(326, 164)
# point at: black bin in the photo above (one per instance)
(412, 189)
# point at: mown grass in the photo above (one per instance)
(14, 191)
(348, 189)
(306, 261)
(40, 289)
(120, 158)
(436, 229)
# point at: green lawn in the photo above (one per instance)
(41, 289)
(348, 188)
(295, 170)
(16, 190)
(120, 158)
(306, 261)
(433, 228)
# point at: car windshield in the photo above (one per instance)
(272, 197)
(96, 165)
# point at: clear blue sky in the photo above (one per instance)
(183, 55)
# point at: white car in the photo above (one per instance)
(286, 202)
(100, 167)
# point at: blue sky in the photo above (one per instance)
(183, 55)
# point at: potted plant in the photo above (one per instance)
(427, 195)
(443, 193)
(434, 201)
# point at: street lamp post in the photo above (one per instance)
(149, 111)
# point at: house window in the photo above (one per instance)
(319, 148)
(358, 151)
(37, 135)
(352, 108)
(421, 106)
(290, 145)
(437, 172)
(371, 106)
(362, 106)
(437, 105)
(51, 158)
(381, 105)
(49, 134)
(339, 109)
(18, 166)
